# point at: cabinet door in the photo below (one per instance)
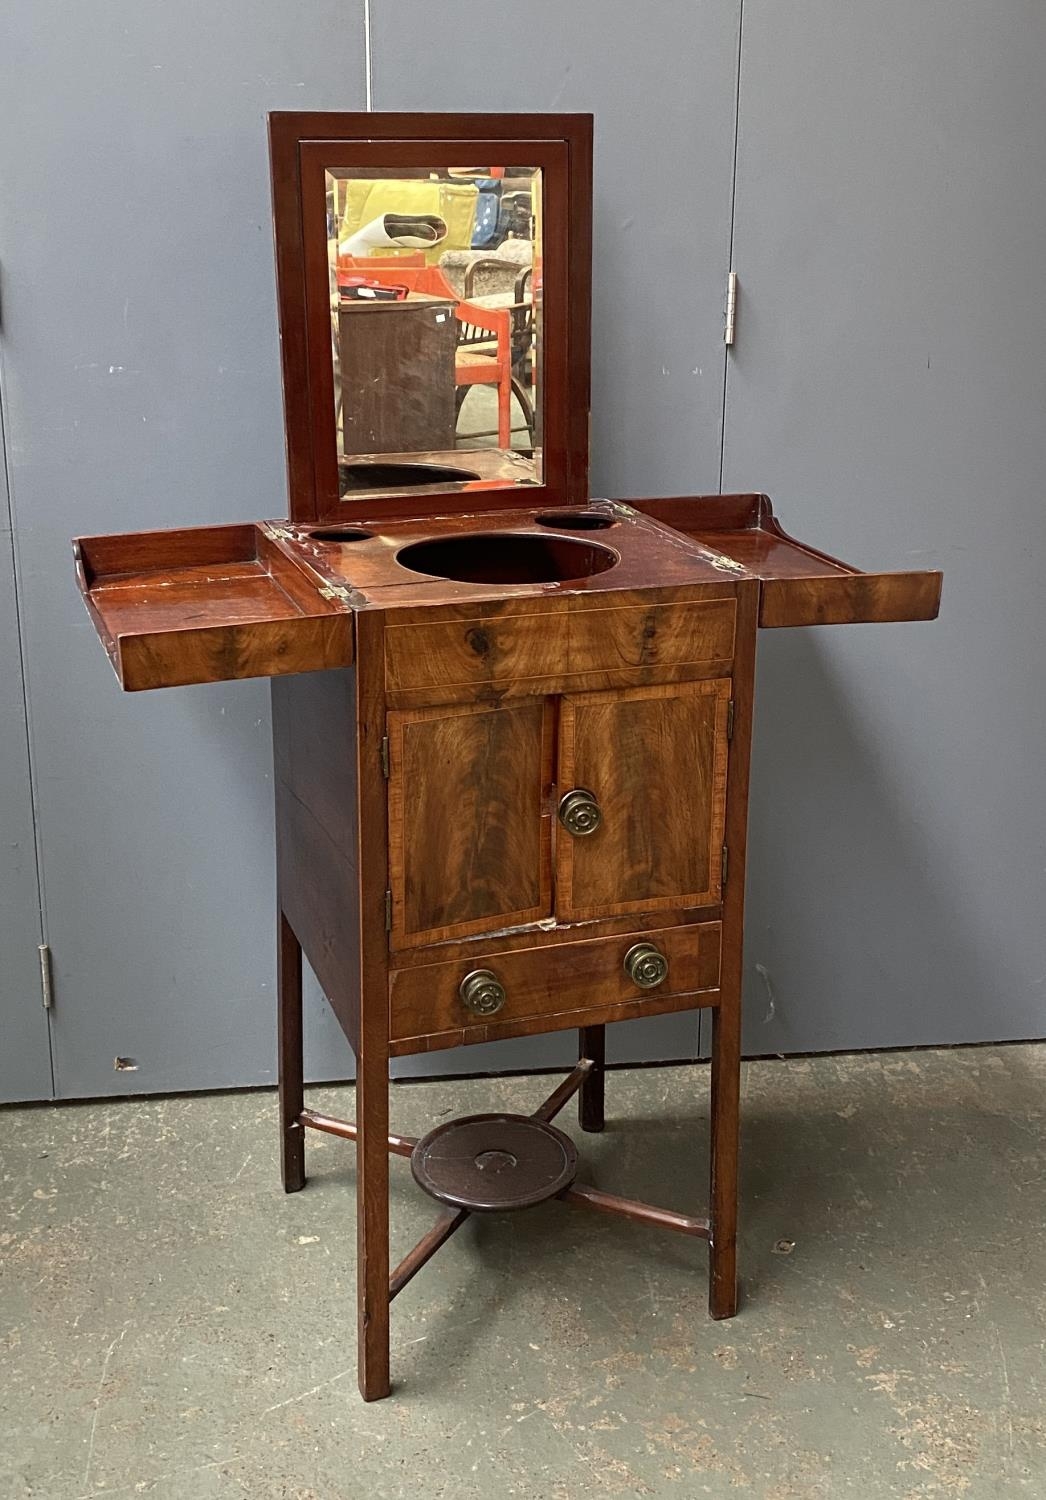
(469, 819)
(655, 761)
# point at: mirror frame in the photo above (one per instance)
(301, 147)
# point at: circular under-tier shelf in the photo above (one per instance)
(490, 1163)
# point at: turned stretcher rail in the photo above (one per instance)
(450, 1220)
(565, 1091)
(632, 1208)
(399, 1145)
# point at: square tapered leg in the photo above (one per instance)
(291, 1076)
(726, 1093)
(372, 1220)
(592, 1044)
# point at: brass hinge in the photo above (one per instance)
(46, 981)
(335, 591)
(281, 533)
(388, 911)
(731, 310)
(730, 719)
(726, 863)
(385, 756)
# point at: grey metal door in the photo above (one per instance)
(142, 374)
(141, 351)
(25, 1055)
(888, 387)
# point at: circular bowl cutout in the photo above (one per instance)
(577, 520)
(340, 534)
(392, 476)
(507, 557)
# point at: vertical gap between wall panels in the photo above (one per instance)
(368, 55)
(704, 1024)
(23, 667)
(730, 250)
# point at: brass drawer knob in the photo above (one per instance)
(482, 992)
(579, 813)
(646, 966)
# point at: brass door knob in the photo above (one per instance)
(482, 992)
(579, 813)
(646, 966)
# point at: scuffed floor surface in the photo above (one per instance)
(173, 1326)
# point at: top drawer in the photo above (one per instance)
(553, 646)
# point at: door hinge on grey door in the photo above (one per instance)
(46, 982)
(385, 756)
(731, 309)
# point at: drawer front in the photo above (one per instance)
(547, 988)
(484, 650)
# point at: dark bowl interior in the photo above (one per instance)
(577, 520)
(507, 557)
(385, 476)
(340, 534)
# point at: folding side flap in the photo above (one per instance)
(208, 604)
(800, 585)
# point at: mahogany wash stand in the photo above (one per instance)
(511, 724)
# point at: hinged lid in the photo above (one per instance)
(434, 277)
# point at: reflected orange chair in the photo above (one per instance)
(481, 360)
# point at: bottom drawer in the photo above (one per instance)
(552, 987)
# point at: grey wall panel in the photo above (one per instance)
(25, 1056)
(140, 340)
(142, 366)
(888, 389)
(661, 82)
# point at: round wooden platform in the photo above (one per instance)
(490, 1163)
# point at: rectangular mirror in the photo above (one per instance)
(434, 277)
(435, 287)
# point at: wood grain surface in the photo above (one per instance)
(655, 759)
(469, 815)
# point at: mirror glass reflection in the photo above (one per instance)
(435, 284)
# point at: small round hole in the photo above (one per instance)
(341, 534)
(577, 520)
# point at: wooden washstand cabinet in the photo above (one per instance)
(511, 723)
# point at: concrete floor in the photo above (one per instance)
(173, 1326)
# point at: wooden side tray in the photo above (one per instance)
(800, 586)
(207, 604)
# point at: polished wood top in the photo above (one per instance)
(260, 599)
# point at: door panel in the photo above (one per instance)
(149, 395)
(469, 819)
(655, 760)
(887, 388)
(25, 1054)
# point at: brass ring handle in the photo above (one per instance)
(646, 966)
(482, 992)
(579, 812)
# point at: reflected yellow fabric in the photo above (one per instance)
(454, 202)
